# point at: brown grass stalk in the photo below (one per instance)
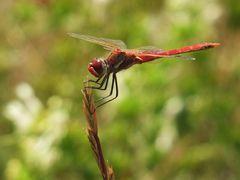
(92, 133)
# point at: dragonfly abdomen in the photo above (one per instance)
(192, 48)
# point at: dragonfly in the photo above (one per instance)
(121, 58)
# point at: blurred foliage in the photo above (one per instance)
(173, 119)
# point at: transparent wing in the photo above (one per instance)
(147, 49)
(152, 51)
(108, 44)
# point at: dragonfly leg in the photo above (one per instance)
(93, 81)
(114, 82)
(106, 84)
(100, 85)
(111, 91)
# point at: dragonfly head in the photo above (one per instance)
(97, 67)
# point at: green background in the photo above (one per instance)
(173, 119)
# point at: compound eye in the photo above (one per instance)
(96, 67)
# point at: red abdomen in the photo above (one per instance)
(196, 47)
(151, 55)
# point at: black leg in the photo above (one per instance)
(106, 84)
(111, 91)
(104, 79)
(93, 81)
(114, 81)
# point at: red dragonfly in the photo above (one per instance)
(122, 58)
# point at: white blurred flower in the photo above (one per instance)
(166, 137)
(39, 151)
(168, 132)
(25, 109)
(173, 106)
(28, 115)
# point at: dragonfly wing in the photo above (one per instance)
(147, 49)
(149, 56)
(108, 44)
(164, 56)
(154, 52)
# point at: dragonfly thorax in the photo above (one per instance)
(97, 67)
